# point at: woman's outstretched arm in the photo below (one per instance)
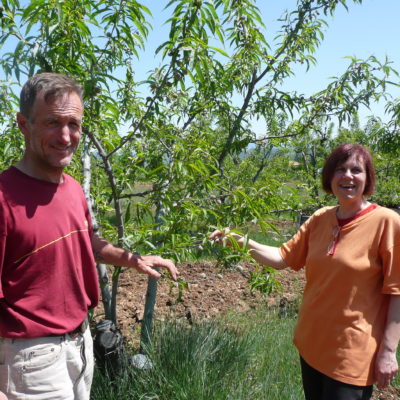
(263, 254)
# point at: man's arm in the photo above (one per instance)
(386, 366)
(106, 253)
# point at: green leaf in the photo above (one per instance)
(220, 51)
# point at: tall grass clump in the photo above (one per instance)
(203, 361)
(241, 357)
(276, 369)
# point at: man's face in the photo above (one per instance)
(53, 131)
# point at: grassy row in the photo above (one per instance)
(247, 356)
(244, 356)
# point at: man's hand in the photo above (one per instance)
(145, 265)
(386, 368)
(3, 396)
(105, 252)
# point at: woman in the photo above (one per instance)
(348, 326)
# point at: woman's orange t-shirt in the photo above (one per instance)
(344, 307)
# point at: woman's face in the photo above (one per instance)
(349, 180)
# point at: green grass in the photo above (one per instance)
(242, 357)
(248, 356)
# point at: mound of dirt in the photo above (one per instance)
(210, 292)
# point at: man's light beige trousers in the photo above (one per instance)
(47, 368)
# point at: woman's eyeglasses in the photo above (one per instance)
(334, 241)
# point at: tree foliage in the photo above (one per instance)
(176, 154)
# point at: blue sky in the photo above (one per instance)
(372, 28)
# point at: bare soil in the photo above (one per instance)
(211, 292)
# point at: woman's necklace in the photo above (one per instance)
(364, 204)
(341, 222)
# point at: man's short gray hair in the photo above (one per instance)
(51, 85)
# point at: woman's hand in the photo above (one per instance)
(263, 254)
(223, 237)
(386, 367)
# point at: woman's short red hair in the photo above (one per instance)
(340, 155)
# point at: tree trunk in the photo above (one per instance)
(151, 295)
(101, 268)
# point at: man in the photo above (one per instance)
(48, 251)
